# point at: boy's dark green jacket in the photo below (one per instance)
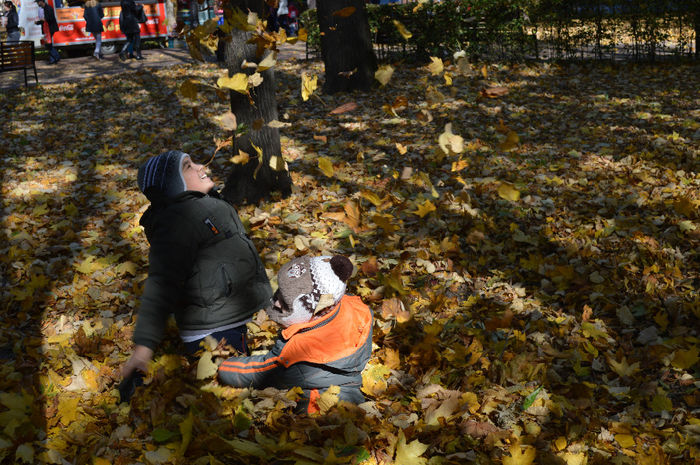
(203, 268)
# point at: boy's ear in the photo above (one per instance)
(324, 302)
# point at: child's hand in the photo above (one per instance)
(138, 361)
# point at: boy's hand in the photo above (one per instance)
(138, 361)
(133, 372)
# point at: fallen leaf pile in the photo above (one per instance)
(527, 237)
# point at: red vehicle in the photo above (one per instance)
(71, 25)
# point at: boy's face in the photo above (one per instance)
(196, 178)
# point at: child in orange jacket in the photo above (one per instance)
(326, 340)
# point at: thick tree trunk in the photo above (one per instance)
(346, 46)
(243, 185)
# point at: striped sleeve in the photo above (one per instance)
(257, 371)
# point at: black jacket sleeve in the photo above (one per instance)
(174, 247)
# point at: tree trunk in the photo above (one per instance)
(346, 46)
(243, 185)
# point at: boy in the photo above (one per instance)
(203, 268)
(326, 340)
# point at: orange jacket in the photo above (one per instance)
(332, 350)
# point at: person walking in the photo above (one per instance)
(49, 27)
(93, 15)
(12, 25)
(129, 25)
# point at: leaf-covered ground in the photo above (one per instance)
(533, 268)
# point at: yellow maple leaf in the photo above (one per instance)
(519, 456)
(410, 454)
(436, 66)
(238, 82)
(127, 267)
(424, 208)
(507, 191)
(386, 222)
(309, 83)
(405, 33)
(326, 166)
(68, 409)
(383, 74)
(684, 359)
(89, 265)
(623, 368)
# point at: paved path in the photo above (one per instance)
(75, 69)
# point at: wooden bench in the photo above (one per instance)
(18, 55)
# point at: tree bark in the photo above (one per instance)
(346, 46)
(243, 185)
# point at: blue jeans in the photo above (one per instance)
(53, 53)
(236, 337)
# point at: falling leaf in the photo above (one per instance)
(448, 79)
(277, 163)
(436, 66)
(410, 454)
(255, 79)
(206, 368)
(424, 208)
(508, 192)
(238, 82)
(344, 108)
(326, 166)
(241, 159)
(394, 308)
(189, 89)
(494, 92)
(228, 121)
(511, 142)
(308, 85)
(268, 62)
(450, 143)
(383, 74)
(405, 33)
(401, 148)
(345, 12)
(485, 72)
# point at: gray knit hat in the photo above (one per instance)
(162, 175)
(307, 285)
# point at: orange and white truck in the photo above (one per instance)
(71, 25)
